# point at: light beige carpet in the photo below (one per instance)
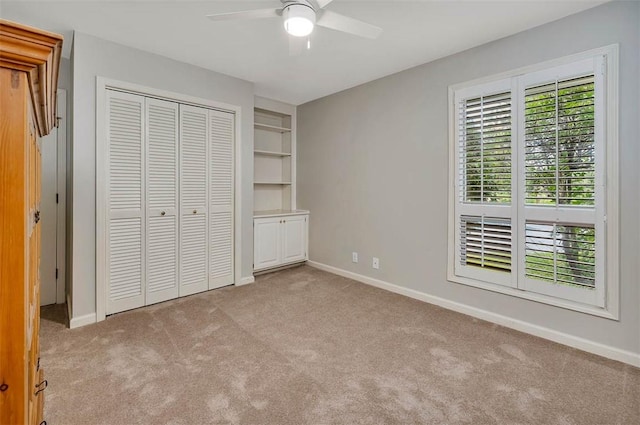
(303, 346)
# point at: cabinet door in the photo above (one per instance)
(221, 140)
(125, 200)
(194, 134)
(266, 240)
(294, 239)
(162, 200)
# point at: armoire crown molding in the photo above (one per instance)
(36, 52)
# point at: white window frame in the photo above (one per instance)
(603, 302)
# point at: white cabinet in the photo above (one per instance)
(294, 238)
(266, 240)
(280, 240)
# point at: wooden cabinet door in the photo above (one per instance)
(294, 238)
(266, 240)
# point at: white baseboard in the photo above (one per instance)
(519, 325)
(246, 280)
(85, 320)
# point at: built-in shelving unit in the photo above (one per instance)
(274, 149)
(280, 230)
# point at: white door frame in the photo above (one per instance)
(102, 84)
(61, 235)
(55, 236)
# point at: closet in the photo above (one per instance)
(169, 179)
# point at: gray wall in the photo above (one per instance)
(96, 57)
(64, 76)
(373, 171)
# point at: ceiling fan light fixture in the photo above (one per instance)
(299, 20)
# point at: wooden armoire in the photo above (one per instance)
(29, 63)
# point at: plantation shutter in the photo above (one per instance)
(486, 242)
(563, 218)
(194, 134)
(162, 200)
(485, 148)
(560, 142)
(484, 237)
(221, 141)
(125, 200)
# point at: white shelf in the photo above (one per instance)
(273, 183)
(271, 128)
(271, 153)
(278, 213)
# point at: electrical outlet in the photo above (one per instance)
(376, 263)
(354, 257)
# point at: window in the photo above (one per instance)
(534, 214)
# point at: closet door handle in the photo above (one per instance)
(195, 211)
(162, 213)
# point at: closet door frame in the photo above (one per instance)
(104, 84)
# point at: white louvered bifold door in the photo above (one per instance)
(194, 135)
(221, 141)
(125, 274)
(162, 200)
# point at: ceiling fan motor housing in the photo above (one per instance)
(299, 18)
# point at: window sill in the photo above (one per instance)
(531, 296)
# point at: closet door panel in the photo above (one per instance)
(193, 248)
(162, 200)
(125, 200)
(221, 198)
(194, 134)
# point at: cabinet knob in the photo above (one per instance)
(195, 211)
(4, 387)
(162, 213)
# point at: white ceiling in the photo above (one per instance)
(414, 32)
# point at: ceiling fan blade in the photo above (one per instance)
(247, 14)
(335, 21)
(323, 3)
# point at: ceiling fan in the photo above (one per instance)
(300, 17)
